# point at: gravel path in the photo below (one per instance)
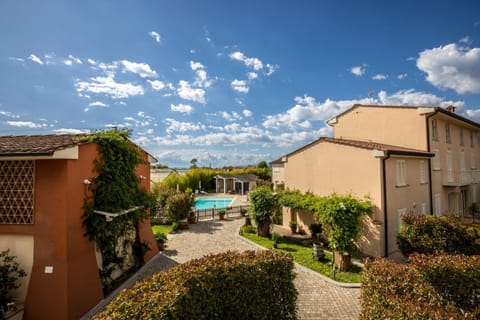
(317, 298)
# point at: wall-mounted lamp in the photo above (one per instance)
(87, 181)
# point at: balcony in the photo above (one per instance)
(461, 178)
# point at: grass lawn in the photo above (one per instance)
(303, 255)
(165, 228)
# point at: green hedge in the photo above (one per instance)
(230, 285)
(434, 235)
(429, 287)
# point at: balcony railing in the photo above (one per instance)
(461, 178)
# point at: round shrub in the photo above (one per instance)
(178, 206)
(433, 235)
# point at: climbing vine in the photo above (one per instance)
(116, 188)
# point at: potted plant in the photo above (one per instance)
(316, 231)
(243, 212)
(293, 226)
(10, 273)
(221, 214)
(161, 238)
(276, 237)
(192, 218)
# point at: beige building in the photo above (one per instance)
(422, 160)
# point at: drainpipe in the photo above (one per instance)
(430, 187)
(385, 215)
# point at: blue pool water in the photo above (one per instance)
(208, 203)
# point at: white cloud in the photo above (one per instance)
(247, 113)
(155, 35)
(229, 116)
(252, 75)
(402, 76)
(308, 111)
(185, 91)
(74, 59)
(196, 65)
(8, 114)
(156, 84)
(473, 114)
(466, 40)
(251, 62)
(414, 98)
(98, 104)
(25, 124)
(70, 131)
(178, 126)
(108, 86)
(271, 68)
(452, 67)
(91, 61)
(142, 69)
(240, 86)
(34, 58)
(379, 77)
(183, 108)
(358, 70)
(68, 62)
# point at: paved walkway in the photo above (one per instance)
(317, 298)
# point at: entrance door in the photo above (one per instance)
(454, 203)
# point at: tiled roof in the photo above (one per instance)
(36, 144)
(370, 145)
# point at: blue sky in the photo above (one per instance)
(229, 82)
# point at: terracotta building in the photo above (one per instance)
(42, 191)
(407, 159)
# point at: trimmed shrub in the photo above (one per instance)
(178, 206)
(434, 235)
(229, 285)
(430, 287)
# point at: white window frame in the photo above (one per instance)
(438, 204)
(401, 173)
(436, 160)
(434, 130)
(424, 208)
(448, 135)
(450, 177)
(423, 172)
(473, 163)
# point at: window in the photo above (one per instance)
(473, 164)
(17, 191)
(461, 136)
(447, 133)
(424, 208)
(436, 159)
(471, 139)
(449, 166)
(423, 175)
(401, 174)
(434, 130)
(401, 213)
(438, 204)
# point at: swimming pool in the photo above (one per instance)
(208, 203)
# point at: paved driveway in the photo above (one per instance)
(317, 298)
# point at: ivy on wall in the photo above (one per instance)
(340, 215)
(115, 188)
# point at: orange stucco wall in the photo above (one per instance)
(74, 286)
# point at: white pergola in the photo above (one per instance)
(241, 179)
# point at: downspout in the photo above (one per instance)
(430, 187)
(385, 215)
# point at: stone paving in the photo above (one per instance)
(317, 299)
